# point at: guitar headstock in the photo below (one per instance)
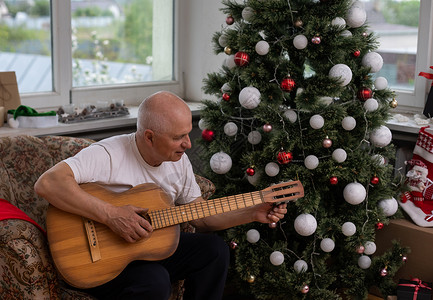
(283, 192)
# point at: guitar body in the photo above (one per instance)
(69, 243)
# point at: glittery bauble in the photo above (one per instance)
(276, 258)
(227, 50)
(327, 143)
(305, 289)
(242, 58)
(371, 105)
(388, 206)
(379, 225)
(267, 127)
(251, 278)
(393, 103)
(230, 129)
(300, 42)
(373, 60)
(262, 48)
(300, 266)
(249, 97)
(356, 16)
(364, 93)
(272, 169)
(381, 136)
(341, 72)
(230, 20)
(339, 155)
(333, 180)
(364, 262)
(233, 245)
(348, 228)
(305, 224)
(327, 245)
(254, 137)
(374, 180)
(356, 53)
(248, 13)
(207, 135)
(316, 40)
(253, 236)
(383, 272)
(381, 83)
(284, 157)
(220, 162)
(370, 248)
(354, 193)
(226, 96)
(348, 123)
(288, 84)
(250, 171)
(317, 121)
(311, 162)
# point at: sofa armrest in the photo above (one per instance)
(207, 187)
(25, 262)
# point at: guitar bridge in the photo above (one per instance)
(92, 239)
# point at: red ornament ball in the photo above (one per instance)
(208, 135)
(365, 93)
(284, 157)
(230, 20)
(288, 84)
(327, 143)
(374, 180)
(356, 53)
(333, 180)
(242, 58)
(267, 127)
(251, 171)
(226, 97)
(316, 40)
(379, 225)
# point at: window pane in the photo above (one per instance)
(25, 43)
(124, 41)
(396, 24)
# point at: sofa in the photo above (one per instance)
(26, 267)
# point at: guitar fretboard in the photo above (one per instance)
(193, 211)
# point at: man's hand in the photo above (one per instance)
(268, 213)
(128, 224)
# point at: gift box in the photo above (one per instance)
(414, 289)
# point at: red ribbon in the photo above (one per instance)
(427, 75)
(416, 286)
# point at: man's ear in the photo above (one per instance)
(148, 136)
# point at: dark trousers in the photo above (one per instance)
(201, 259)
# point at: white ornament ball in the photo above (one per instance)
(389, 206)
(326, 100)
(348, 123)
(354, 193)
(220, 163)
(327, 245)
(262, 48)
(341, 72)
(248, 13)
(254, 137)
(230, 62)
(369, 248)
(311, 162)
(348, 229)
(223, 40)
(381, 137)
(339, 155)
(300, 266)
(291, 115)
(373, 60)
(253, 236)
(364, 262)
(317, 122)
(356, 16)
(276, 258)
(379, 159)
(249, 97)
(305, 224)
(371, 105)
(254, 180)
(381, 83)
(230, 129)
(356, 3)
(346, 33)
(272, 169)
(226, 88)
(338, 22)
(202, 124)
(300, 42)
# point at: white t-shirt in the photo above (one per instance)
(117, 163)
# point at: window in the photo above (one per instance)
(404, 32)
(84, 51)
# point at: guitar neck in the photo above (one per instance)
(197, 210)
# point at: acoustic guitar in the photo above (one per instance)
(88, 253)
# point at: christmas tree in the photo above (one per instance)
(298, 99)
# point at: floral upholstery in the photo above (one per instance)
(26, 267)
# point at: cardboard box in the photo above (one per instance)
(419, 239)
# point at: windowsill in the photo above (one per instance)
(87, 126)
(410, 127)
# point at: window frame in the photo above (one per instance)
(63, 93)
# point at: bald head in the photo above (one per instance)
(160, 112)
